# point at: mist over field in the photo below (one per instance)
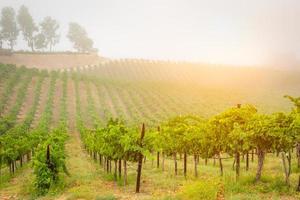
(221, 32)
(140, 100)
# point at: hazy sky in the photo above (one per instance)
(219, 31)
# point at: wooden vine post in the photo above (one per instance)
(298, 187)
(140, 161)
(184, 163)
(247, 161)
(237, 158)
(48, 161)
(158, 129)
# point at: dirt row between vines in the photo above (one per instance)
(28, 102)
(42, 102)
(86, 179)
(12, 98)
(57, 103)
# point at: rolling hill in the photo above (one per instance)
(139, 91)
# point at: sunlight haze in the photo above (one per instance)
(237, 32)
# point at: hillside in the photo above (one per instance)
(34, 101)
(50, 60)
(141, 90)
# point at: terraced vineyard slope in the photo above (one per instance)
(76, 133)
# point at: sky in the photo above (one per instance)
(237, 32)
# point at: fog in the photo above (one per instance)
(238, 32)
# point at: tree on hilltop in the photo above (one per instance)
(9, 29)
(78, 36)
(27, 26)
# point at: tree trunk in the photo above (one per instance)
(252, 156)
(233, 164)
(289, 158)
(107, 166)
(0, 166)
(247, 161)
(260, 163)
(195, 166)
(10, 169)
(184, 163)
(140, 162)
(28, 156)
(298, 153)
(125, 172)
(298, 159)
(298, 187)
(48, 157)
(11, 45)
(152, 161)
(221, 165)
(32, 45)
(116, 170)
(163, 161)
(175, 163)
(157, 160)
(237, 167)
(120, 168)
(100, 159)
(21, 161)
(205, 161)
(13, 166)
(95, 155)
(285, 167)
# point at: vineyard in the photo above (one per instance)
(139, 129)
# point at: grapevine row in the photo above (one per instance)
(49, 159)
(235, 132)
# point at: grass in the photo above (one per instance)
(89, 181)
(17, 185)
(106, 197)
(204, 189)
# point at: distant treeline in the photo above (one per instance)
(8, 52)
(39, 37)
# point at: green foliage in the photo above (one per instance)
(204, 189)
(9, 29)
(40, 41)
(184, 134)
(106, 197)
(236, 130)
(228, 129)
(10, 85)
(49, 29)
(78, 36)
(17, 141)
(48, 146)
(9, 120)
(27, 26)
(49, 160)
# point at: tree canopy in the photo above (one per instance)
(27, 26)
(78, 36)
(9, 27)
(49, 28)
